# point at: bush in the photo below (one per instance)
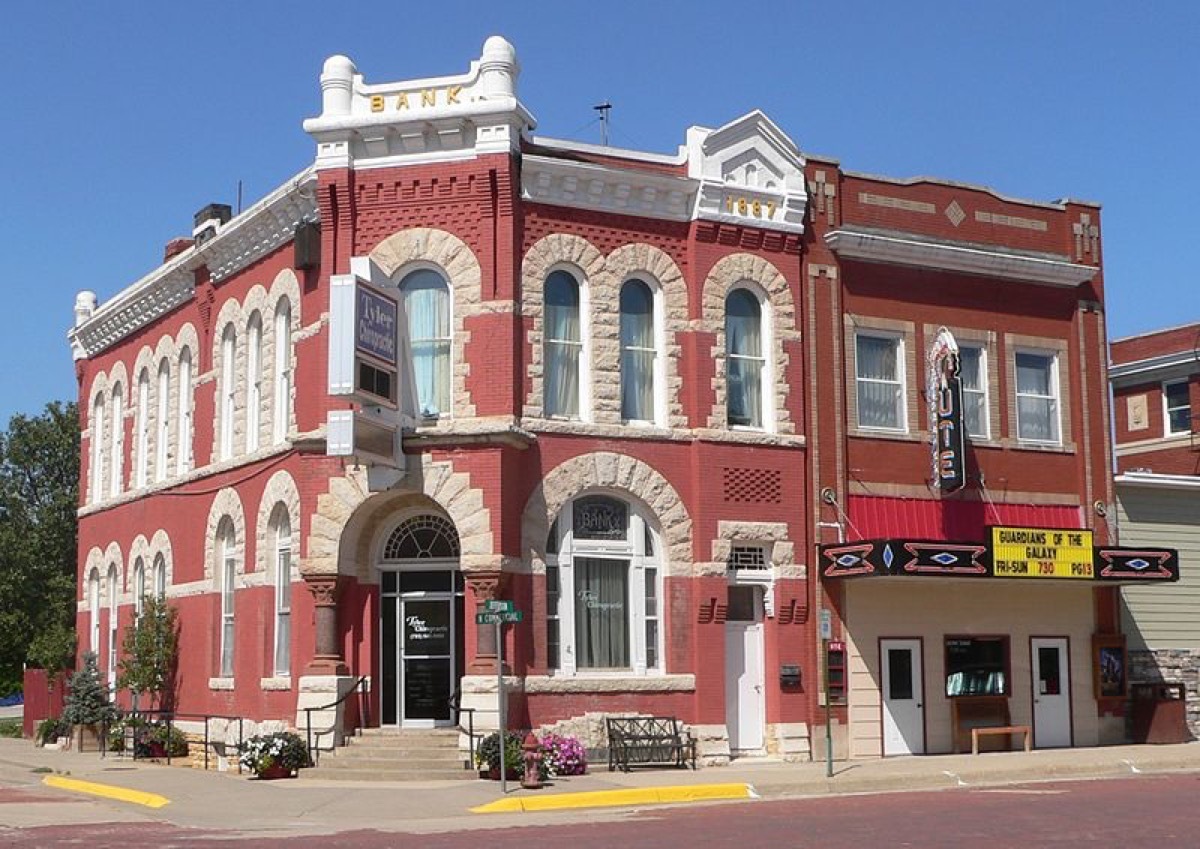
(488, 753)
(50, 729)
(263, 751)
(146, 733)
(10, 728)
(562, 754)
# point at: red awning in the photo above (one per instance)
(878, 517)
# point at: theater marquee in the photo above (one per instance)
(1042, 553)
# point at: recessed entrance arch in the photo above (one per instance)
(421, 648)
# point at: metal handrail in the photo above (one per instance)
(364, 715)
(459, 710)
(170, 716)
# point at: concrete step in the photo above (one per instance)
(325, 774)
(384, 764)
(423, 733)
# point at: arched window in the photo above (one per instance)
(117, 426)
(139, 588)
(94, 611)
(427, 537)
(603, 581)
(142, 443)
(160, 577)
(281, 531)
(427, 302)
(97, 449)
(639, 353)
(162, 421)
(228, 350)
(113, 594)
(227, 578)
(281, 415)
(562, 346)
(184, 437)
(745, 359)
(254, 375)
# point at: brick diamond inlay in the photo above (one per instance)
(955, 213)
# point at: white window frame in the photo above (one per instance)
(228, 390)
(584, 413)
(1167, 430)
(97, 476)
(139, 588)
(281, 414)
(94, 612)
(1055, 395)
(227, 563)
(117, 426)
(183, 460)
(983, 382)
(160, 577)
(163, 421)
(254, 378)
(900, 382)
(113, 597)
(766, 318)
(626, 550)
(402, 276)
(141, 469)
(282, 529)
(659, 363)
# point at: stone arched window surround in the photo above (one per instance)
(139, 549)
(285, 288)
(226, 503)
(95, 559)
(587, 354)
(622, 476)
(755, 273)
(185, 340)
(773, 536)
(427, 247)
(112, 557)
(396, 519)
(141, 450)
(160, 544)
(345, 527)
(280, 491)
(97, 411)
(603, 277)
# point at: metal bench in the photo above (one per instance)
(1006, 730)
(648, 741)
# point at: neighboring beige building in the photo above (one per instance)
(1156, 402)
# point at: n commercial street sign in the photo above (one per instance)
(502, 618)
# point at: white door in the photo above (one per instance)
(903, 697)
(1051, 692)
(745, 704)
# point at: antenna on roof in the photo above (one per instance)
(239, 198)
(603, 110)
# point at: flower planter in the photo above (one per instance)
(155, 749)
(493, 774)
(274, 771)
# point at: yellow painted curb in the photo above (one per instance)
(611, 798)
(108, 791)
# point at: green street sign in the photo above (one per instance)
(504, 617)
(497, 605)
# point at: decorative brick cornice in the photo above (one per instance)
(247, 238)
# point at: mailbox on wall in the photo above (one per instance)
(789, 675)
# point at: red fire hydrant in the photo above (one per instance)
(533, 775)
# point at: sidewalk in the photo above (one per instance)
(227, 801)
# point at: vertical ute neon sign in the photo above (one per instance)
(948, 435)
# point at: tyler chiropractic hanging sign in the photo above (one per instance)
(944, 391)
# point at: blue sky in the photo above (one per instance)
(119, 120)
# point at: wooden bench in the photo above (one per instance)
(1006, 730)
(648, 741)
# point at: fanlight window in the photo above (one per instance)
(422, 538)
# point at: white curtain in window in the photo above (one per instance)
(283, 593)
(744, 361)
(970, 370)
(117, 463)
(160, 576)
(143, 428)
(228, 576)
(1037, 406)
(162, 420)
(427, 302)
(283, 371)
(228, 347)
(97, 449)
(253, 381)
(637, 352)
(563, 343)
(601, 617)
(184, 442)
(139, 587)
(94, 611)
(879, 390)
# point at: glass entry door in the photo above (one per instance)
(421, 651)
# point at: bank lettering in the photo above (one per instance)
(422, 98)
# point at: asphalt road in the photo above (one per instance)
(1149, 811)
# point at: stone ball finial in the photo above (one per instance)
(498, 67)
(85, 305)
(337, 83)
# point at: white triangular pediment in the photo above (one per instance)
(750, 172)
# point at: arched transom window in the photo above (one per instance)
(604, 588)
(427, 303)
(426, 537)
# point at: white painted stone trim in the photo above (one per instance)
(223, 684)
(617, 683)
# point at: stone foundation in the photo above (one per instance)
(1171, 666)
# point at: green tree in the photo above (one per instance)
(150, 648)
(87, 701)
(39, 485)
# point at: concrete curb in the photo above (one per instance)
(107, 791)
(619, 798)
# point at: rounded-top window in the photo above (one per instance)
(745, 358)
(427, 303)
(563, 345)
(426, 537)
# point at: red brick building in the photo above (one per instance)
(631, 393)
